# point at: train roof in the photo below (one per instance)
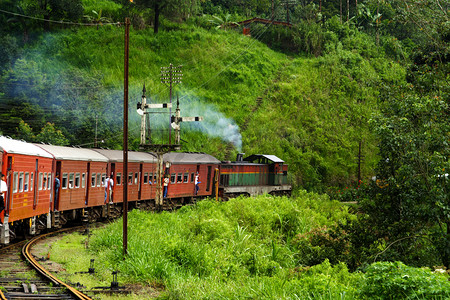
(117, 156)
(263, 158)
(20, 147)
(71, 153)
(190, 158)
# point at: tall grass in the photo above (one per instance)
(235, 249)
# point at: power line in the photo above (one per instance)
(58, 22)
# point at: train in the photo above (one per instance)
(50, 186)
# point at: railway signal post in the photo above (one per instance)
(160, 149)
(177, 119)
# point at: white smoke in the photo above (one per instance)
(214, 123)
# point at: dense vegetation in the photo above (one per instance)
(244, 248)
(366, 73)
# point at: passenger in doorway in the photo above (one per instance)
(109, 184)
(110, 188)
(197, 182)
(56, 190)
(3, 190)
(166, 185)
(106, 189)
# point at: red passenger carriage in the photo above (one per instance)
(29, 179)
(182, 169)
(82, 173)
(141, 174)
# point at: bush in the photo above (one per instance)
(394, 280)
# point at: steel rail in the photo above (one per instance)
(2, 295)
(27, 254)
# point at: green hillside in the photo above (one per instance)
(329, 86)
(305, 93)
(310, 111)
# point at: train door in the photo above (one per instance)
(140, 181)
(35, 194)
(208, 179)
(57, 194)
(9, 183)
(112, 174)
(88, 182)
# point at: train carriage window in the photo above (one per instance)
(103, 182)
(93, 179)
(41, 179)
(130, 178)
(83, 180)
(77, 180)
(118, 178)
(99, 182)
(145, 178)
(44, 182)
(150, 178)
(180, 178)
(71, 181)
(136, 178)
(49, 181)
(64, 182)
(173, 177)
(21, 182)
(27, 179)
(192, 177)
(154, 178)
(15, 182)
(32, 182)
(186, 178)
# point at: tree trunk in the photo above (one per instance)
(157, 12)
(348, 10)
(446, 254)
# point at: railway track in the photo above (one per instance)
(23, 277)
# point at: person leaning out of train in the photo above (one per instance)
(197, 182)
(109, 183)
(110, 188)
(56, 189)
(3, 191)
(166, 185)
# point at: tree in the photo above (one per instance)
(410, 200)
(169, 7)
(24, 132)
(56, 9)
(49, 134)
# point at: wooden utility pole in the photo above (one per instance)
(125, 139)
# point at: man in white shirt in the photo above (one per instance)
(110, 188)
(166, 185)
(3, 190)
